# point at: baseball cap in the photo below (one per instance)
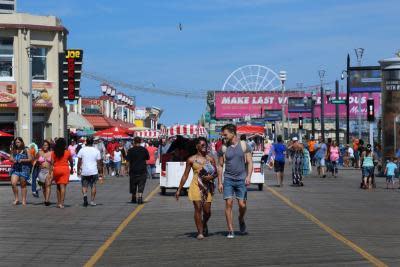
(295, 139)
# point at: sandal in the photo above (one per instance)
(205, 230)
(16, 202)
(200, 237)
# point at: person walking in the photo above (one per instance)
(367, 164)
(21, 169)
(334, 154)
(90, 168)
(43, 160)
(117, 160)
(62, 168)
(33, 150)
(201, 189)
(136, 159)
(278, 154)
(298, 156)
(236, 156)
(151, 163)
(320, 155)
(390, 171)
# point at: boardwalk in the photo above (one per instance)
(163, 231)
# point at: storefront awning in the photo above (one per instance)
(77, 121)
(119, 123)
(98, 122)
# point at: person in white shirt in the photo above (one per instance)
(117, 160)
(90, 169)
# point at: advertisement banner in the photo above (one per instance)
(92, 106)
(362, 81)
(253, 104)
(8, 96)
(41, 94)
(140, 113)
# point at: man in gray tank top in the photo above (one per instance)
(236, 155)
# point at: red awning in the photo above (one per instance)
(98, 122)
(250, 129)
(101, 122)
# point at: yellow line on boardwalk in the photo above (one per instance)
(100, 252)
(373, 260)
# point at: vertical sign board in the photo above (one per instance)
(70, 74)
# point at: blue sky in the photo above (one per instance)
(138, 41)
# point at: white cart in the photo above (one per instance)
(171, 178)
(257, 176)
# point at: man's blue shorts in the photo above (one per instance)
(235, 188)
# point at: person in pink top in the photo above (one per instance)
(72, 148)
(334, 157)
(151, 163)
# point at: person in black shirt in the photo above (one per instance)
(136, 159)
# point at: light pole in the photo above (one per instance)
(282, 77)
(30, 100)
(313, 100)
(321, 74)
(347, 99)
(359, 54)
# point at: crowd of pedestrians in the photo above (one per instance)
(226, 165)
(53, 163)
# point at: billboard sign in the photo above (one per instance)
(365, 79)
(299, 105)
(273, 115)
(92, 106)
(230, 105)
(140, 113)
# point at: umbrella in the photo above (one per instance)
(3, 134)
(115, 132)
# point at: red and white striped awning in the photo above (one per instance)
(185, 130)
(149, 134)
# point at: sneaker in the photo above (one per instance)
(92, 203)
(140, 200)
(230, 235)
(35, 194)
(85, 201)
(242, 227)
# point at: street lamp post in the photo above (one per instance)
(313, 100)
(321, 74)
(359, 54)
(30, 100)
(282, 76)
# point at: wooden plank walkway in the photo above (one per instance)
(163, 233)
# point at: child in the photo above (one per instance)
(389, 172)
(117, 159)
(107, 163)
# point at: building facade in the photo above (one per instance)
(8, 6)
(42, 38)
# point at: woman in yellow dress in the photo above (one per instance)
(202, 186)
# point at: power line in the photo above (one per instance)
(175, 93)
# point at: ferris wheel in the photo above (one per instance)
(252, 78)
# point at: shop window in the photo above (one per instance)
(39, 63)
(6, 58)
